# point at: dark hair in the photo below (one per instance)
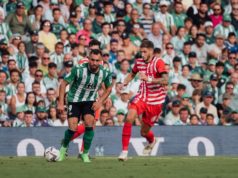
(184, 109)
(193, 115)
(210, 114)
(59, 43)
(94, 43)
(104, 24)
(104, 111)
(157, 50)
(33, 64)
(27, 95)
(15, 71)
(56, 9)
(28, 112)
(147, 44)
(43, 22)
(181, 87)
(96, 51)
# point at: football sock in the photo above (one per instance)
(126, 135)
(150, 137)
(67, 137)
(87, 138)
(80, 130)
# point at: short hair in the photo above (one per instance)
(184, 109)
(147, 44)
(59, 43)
(181, 87)
(104, 111)
(210, 114)
(15, 71)
(104, 24)
(94, 43)
(56, 9)
(28, 112)
(35, 83)
(96, 52)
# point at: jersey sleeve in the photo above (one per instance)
(108, 80)
(160, 67)
(71, 76)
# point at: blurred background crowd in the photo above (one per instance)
(41, 40)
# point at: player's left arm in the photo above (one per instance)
(108, 88)
(162, 73)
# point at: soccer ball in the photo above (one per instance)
(52, 154)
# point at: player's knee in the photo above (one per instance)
(129, 119)
(143, 133)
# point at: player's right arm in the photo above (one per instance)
(61, 96)
(69, 78)
(131, 75)
(129, 78)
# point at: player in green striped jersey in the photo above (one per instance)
(84, 81)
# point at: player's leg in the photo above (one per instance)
(149, 118)
(126, 133)
(80, 130)
(149, 135)
(72, 122)
(88, 136)
(73, 114)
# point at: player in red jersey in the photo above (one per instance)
(148, 102)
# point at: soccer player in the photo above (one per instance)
(149, 99)
(84, 81)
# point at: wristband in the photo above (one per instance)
(149, 79)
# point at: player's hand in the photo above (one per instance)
(142, 76)
(163, 82)
(96, 105)
(60, 107)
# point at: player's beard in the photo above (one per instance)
(147, 59)
(93, 68)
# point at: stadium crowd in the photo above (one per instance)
(41, 40)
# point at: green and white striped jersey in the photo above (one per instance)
(84, 84)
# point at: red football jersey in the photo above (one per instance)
(151, 93)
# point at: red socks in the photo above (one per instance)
(150, 137)
(126, 135)
(80, 130)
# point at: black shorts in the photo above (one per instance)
(80, 109)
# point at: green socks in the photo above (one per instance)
(67, 137)
(87, 138)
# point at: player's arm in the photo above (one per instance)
(108, 88)
(69, 78)
(129, 78)
(61, 95)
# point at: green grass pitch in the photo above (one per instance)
(110, 167)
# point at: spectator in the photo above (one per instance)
(41, 117)
(104, 115)
(30, 103)
(173, 116)
(28, 119)
(155, 35)
(120, 116)
(207, 103)
(194, 120)
(19, 22)
(50, 80)
(46, 36)
(36, 18)
(20, 119)
(225, 27)
(52, 116)
(183, 117)
(31, 46)
(210, 119)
